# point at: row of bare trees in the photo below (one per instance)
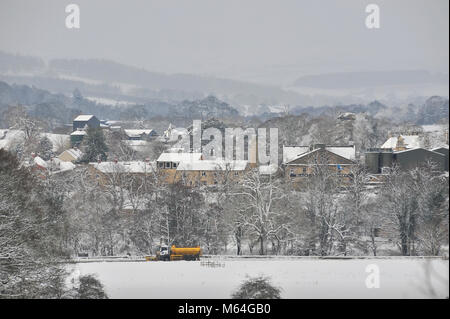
(122, 212)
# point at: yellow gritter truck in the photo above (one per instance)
(178, 253)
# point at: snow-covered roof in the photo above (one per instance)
(292, 152)
(75, 153)
(137, 133)
(78, 133)
(40, 162)
(111, 122)
(125, 167)
(215, 165)
(303, 155)
(440, 147)
(326, 148)
(415, 149)
(349, 152)
(410, 141)
(83, 118)
(62, 166)
(179, 157)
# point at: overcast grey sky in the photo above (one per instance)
(243, 39)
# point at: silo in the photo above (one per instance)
(385, 159)
(372, 162)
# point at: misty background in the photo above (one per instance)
(255, 55)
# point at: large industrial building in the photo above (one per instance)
(379, 159)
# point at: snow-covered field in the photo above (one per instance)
(299, 278)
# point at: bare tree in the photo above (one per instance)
(260, 210)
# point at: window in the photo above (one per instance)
(291, 173)
(304, 170)
(203, 173)
(161, 165)
(167, 164)
(174, 165)
(236, 173)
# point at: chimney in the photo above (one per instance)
(316, 146)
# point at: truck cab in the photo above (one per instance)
(163, 253)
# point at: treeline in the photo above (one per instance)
(33, 238)
(59, 109)
(119, 213)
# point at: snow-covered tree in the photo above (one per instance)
(31, 235)
(45, 148)
(260, 210)
(415, 203)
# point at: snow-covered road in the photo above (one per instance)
(399, 278)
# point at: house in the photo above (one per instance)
(70, 155)
(378, 160)
(171, 160)
(210, 172)
(173, 134)
(105, 172)
(42, 168)
(81, 122)
(403, 142)
(77, 136)
(167, 163)
(339, 159)
(292, 152)
(39, 163)
(137, 135)
(129, 167)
